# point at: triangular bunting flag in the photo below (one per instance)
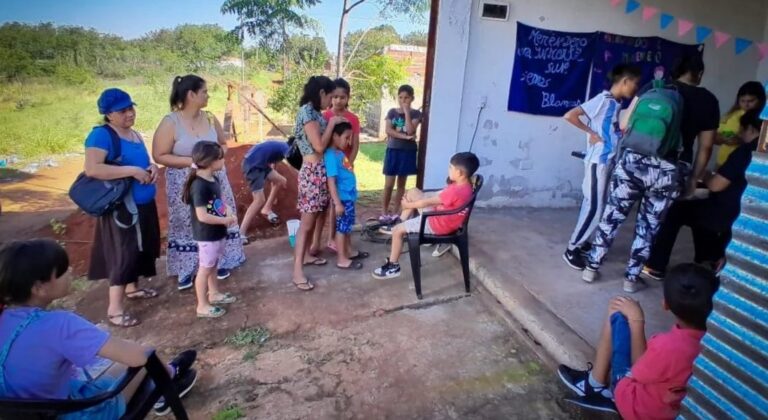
(649, 12)
(742, 45)
(632, 5)
(763, 49)
(702, 33)
(665, 20)
(615, 3)
(721, 38)
(684, 26)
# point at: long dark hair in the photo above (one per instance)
(691, 63)
(182, 85)
(24, 263)
(751, 88)
(204, 153)
(312, 89)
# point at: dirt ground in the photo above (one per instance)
(354, 348)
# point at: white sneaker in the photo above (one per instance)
(440, 252)
(590, 274)
(634, 286)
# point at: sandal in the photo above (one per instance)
(222, 299)
(317, 261)
(272, 217)
(145, 293)
(126, 320)
(304, 286)
(361, 255)
(331, 247)
(214, 312)
(354, 265)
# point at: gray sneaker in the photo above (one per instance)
(590, 273)
(634, 286)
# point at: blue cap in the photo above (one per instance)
(112, 100)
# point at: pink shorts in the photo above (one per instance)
(210, 252)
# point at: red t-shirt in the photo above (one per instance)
(451, 198)
(656, 385)
(352, 118)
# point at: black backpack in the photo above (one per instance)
(293, 156)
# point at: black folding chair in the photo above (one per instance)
(157, 383)
(460, 238)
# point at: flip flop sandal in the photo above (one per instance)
(141, 294)
(354, 265)
(126, 320)
(317, 262)
(360, 255)
(305, 286)
(272, 217)
(223, 299)
(214, 312)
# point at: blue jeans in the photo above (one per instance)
(621, 343)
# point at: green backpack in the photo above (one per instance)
(654, 126)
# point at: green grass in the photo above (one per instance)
(252, 339)
(368, 166)
(45, 117)
(231, 413)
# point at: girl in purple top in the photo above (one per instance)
(41, 349)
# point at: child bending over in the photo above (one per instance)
(258, 169)
(41, 348)
(647, 380)
(457, 193)
(210, 218)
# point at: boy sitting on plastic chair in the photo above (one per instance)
(457, 193)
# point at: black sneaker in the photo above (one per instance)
(183, 361)
(578, 381)
(183, 385)
(596, 402)
(574, 259)
(389, 270)
(584, 249)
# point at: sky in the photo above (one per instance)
(132, 19)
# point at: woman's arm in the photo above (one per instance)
(318, 141)
(96, 168)
(126, 352)
(162, 146)
(221, 136)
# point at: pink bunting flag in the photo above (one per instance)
(721, 38)
(684, 26)
(763, 48)
(649, 12)
(615, 3)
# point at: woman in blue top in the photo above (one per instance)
(118, 254)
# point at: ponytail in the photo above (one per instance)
(186, 194)
(181, 87)
(312, 89)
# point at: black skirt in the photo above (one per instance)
(115, 254)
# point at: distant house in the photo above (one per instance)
(231, 62)
(417, 63)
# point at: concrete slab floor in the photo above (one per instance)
(355, 347)
(524, 247)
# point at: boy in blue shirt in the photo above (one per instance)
(258, 166)
(601, 124)
(342, 185)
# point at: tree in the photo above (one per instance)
(364, 44)
(414, 8)
(269, 21)
(372, 76)
(418, 38)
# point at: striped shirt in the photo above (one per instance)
(603, 111)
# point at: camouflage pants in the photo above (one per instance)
(652, 181)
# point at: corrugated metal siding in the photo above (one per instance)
(730, 377)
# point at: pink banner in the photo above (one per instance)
(721, 38)
(684, 26)
(615, 3)
(649, 12)
(763, 49)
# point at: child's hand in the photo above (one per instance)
(407, 204)
(628, 307)
(336, 120)
(232, 220)
(594, 138)
(339, 209)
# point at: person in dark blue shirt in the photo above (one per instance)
(711, 218)
(258, 167)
